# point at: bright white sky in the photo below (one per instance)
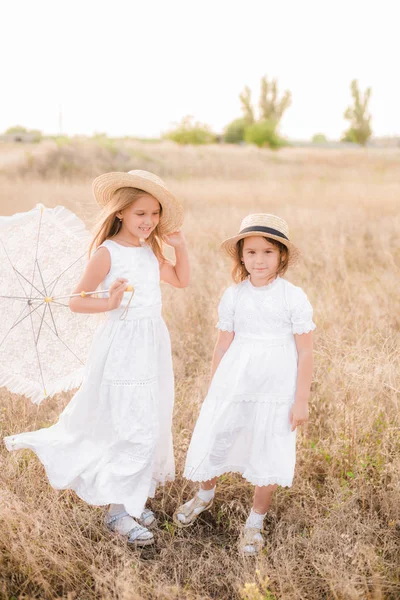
(133, 67)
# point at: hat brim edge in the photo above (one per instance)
(107, 184)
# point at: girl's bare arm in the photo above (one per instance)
(177, 275)
(304, 345)
(224, 340)
(95, 273)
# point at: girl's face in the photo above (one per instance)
(261, 258)
(141, 217)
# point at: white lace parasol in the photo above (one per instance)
(43, 345)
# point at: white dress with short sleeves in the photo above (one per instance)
(113, 442)
(243, 424)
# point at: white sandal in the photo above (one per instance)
(188, 511)
(138, 535)
(252, 542)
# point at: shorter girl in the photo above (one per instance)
(261, 377)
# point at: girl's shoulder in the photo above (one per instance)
(114, 246)
(233, 289)
(230, 294)
(289, 287)
(294, 294)
(106, 244)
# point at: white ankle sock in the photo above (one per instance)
(123, 525)
(206, 495)
(255, 519)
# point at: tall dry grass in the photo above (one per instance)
(335, 534)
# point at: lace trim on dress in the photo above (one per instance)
(224, 326)
(194, 475)
(142, 454)
(131, 382)
(264, 398)
(305, 327)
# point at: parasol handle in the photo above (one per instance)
(129, 288)
(48, 299)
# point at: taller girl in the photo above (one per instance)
(113, 443)
(261, 376)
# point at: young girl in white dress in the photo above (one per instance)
(112, 444)
(260, 377)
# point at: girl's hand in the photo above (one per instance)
(175, 239)
(116, 292)
(298, 414)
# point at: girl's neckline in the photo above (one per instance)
(142, 245)
(268, 286)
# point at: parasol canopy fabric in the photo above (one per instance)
(43, 345)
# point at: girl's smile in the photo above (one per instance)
(139, 219)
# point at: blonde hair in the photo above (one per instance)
(108, 224)
(239, 271)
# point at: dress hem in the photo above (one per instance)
(258, 481)
(119, 500)
(12, 446)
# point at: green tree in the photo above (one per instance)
(35, 134)
(319, 138)
(189, 131)
(360, 119)
(263, 134)
(234, 131)
(248, 112)
(271, 107)
(271, 110)
(17, 129)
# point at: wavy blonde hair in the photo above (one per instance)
(239, 271)
(108, 224)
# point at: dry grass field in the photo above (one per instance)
(336, 533)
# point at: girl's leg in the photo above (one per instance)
(208, 485)
(186, 514)
(124, 524)
(252, 541)
(262, 498)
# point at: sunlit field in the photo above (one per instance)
(336, 533)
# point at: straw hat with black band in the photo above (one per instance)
(106, 185)
(264, 225)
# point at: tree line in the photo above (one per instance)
(259, 127)
(262, 128)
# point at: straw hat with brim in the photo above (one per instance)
(264, 225)
(106, 185)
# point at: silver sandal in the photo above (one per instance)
(138, 535)
(187, 510)
(251, 542)
(147, 519)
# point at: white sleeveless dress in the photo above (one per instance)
(243, 425)
(113, 442)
